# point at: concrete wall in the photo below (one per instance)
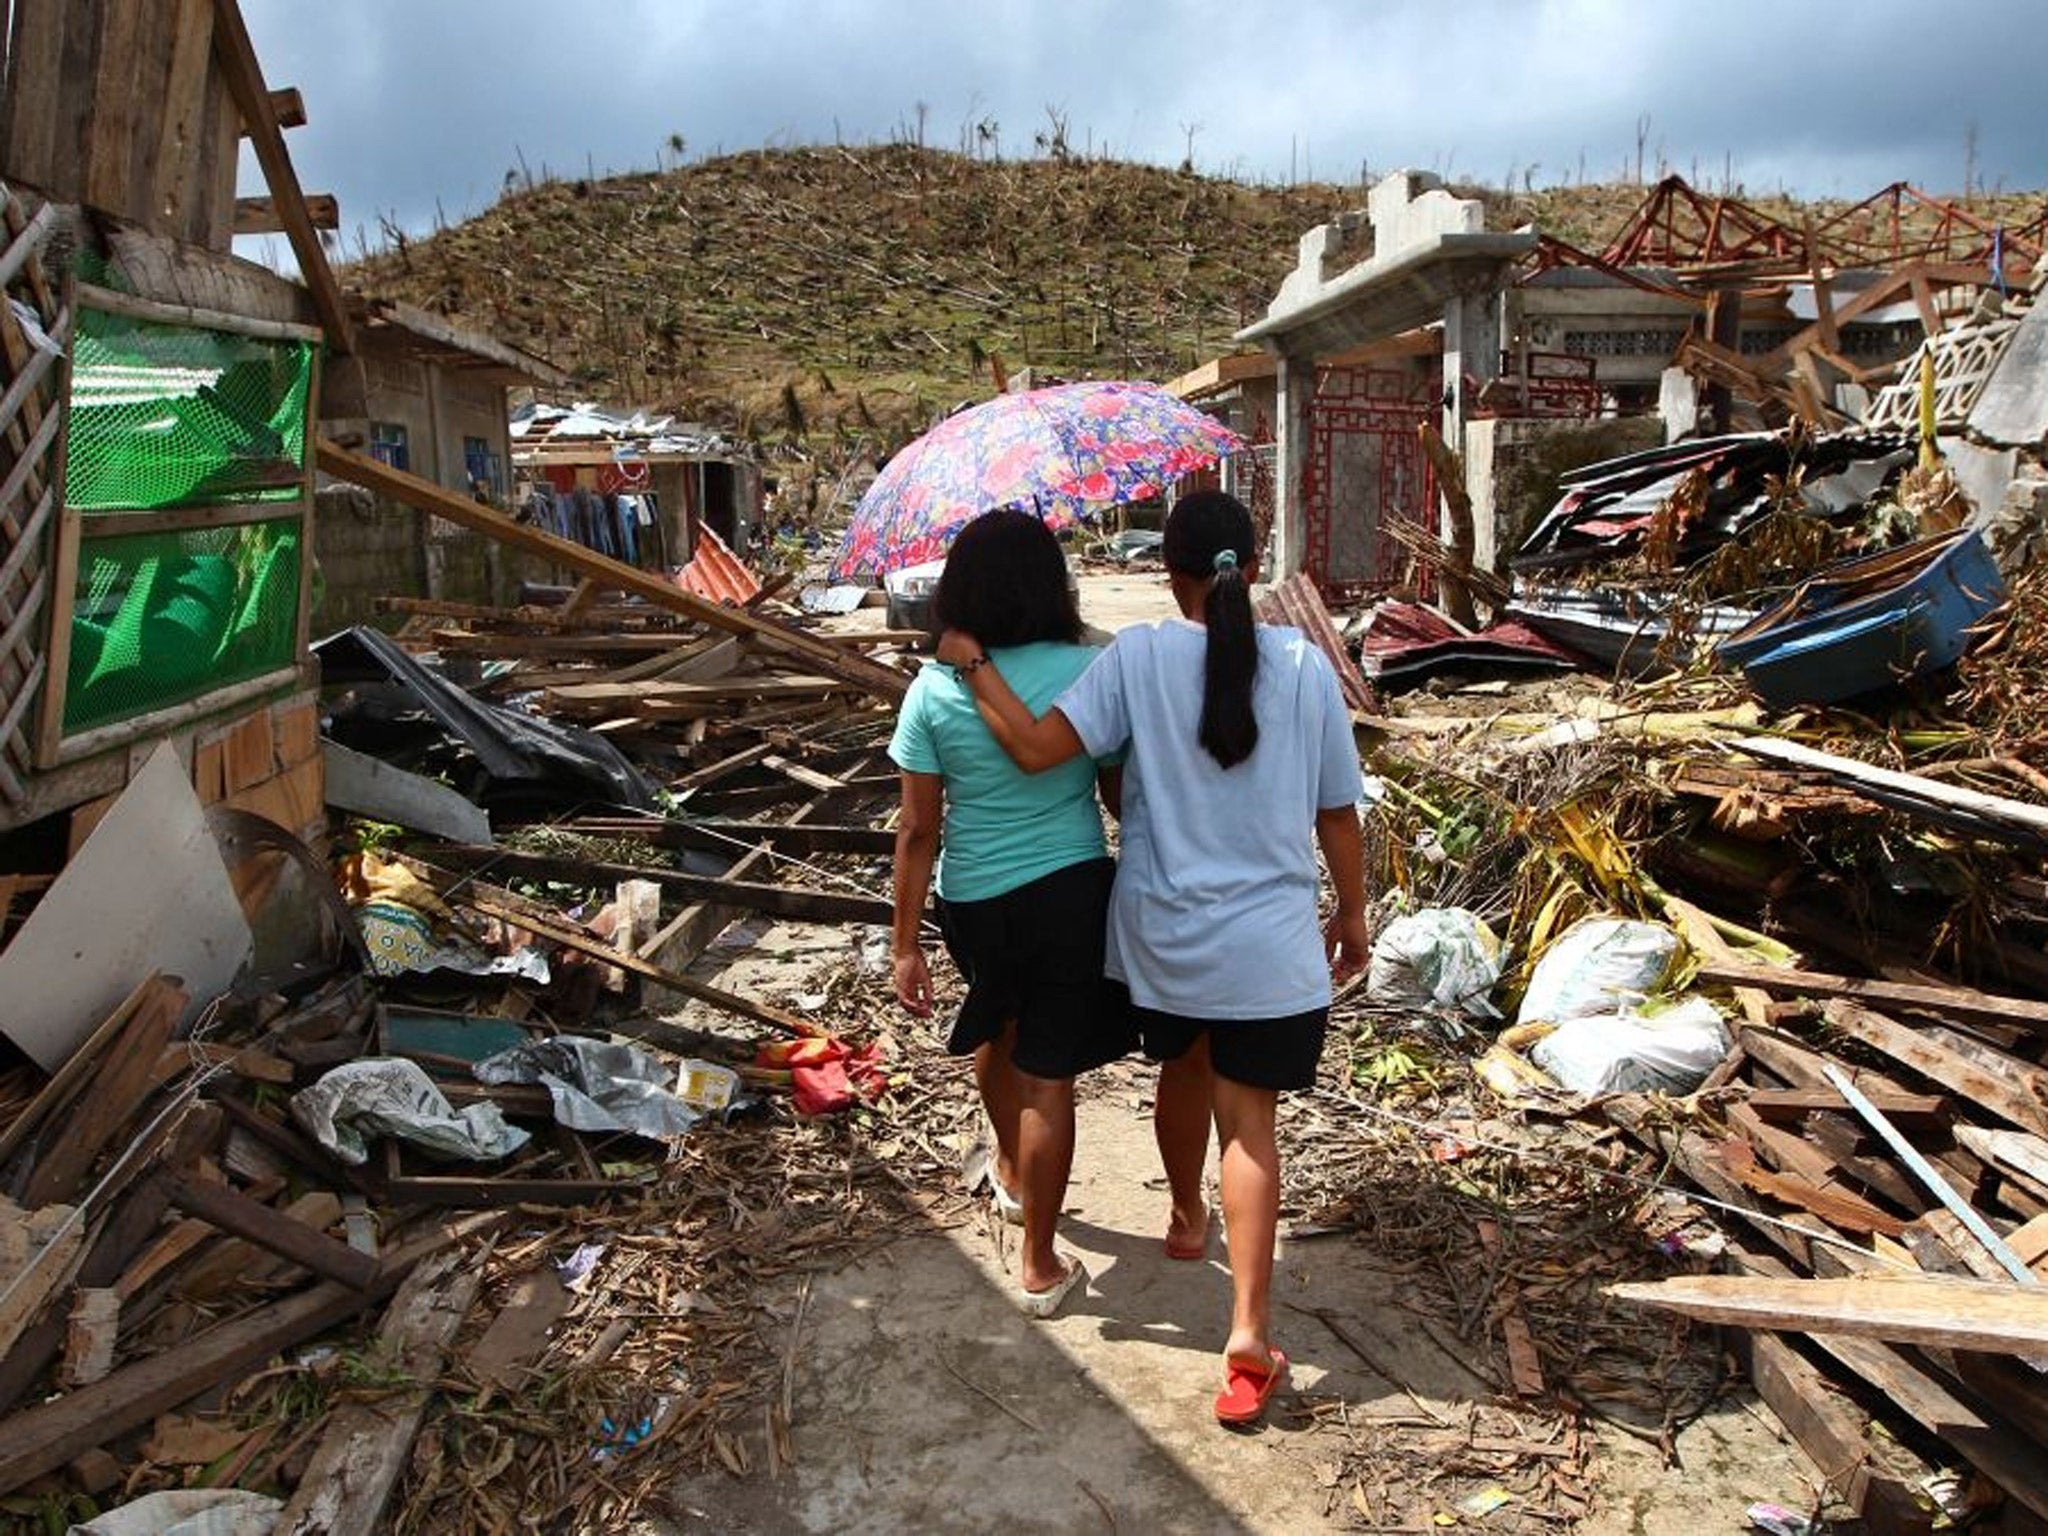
(366, 549)
(1512, 466)
(369, 548)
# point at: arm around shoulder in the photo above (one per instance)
(1342, 840)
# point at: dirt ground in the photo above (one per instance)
(922, 1399)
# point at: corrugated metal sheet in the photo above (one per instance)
(1295, 601)
(717, 573)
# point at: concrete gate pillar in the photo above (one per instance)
(1471, 357)
(1297, 387)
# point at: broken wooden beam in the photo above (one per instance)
(273, 1231)
(1941, 1312)
(1962, 1003)
(817, 655)
(588, 944)
(2016, 1091)
(1831, 1430)
(42, 1438)
(244, 76)
(367, 1446)
(260, 215)
(796, 904)
(1776, 1104)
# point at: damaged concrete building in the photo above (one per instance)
(1527, 354)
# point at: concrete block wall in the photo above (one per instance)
(1512, 466)
(366, 548)
(370, 548)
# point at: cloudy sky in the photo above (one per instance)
(419, 104)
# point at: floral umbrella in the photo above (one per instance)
(1061, 452)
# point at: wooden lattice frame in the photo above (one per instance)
(34, 385)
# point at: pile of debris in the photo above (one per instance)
(1790, 854)
(439, 1089)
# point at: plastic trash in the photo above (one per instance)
(1440, 957)
(595, 1085)
(389, 1096)
(1602, 965)
(707, 1087)
(1778, 1520)
(1670, 1050)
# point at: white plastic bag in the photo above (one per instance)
(1440, 957)
(390, 1096)
(1602, 965)
(1669, 1051)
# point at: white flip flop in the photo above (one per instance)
(1043, 1304)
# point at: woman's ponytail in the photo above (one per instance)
(1209, 536)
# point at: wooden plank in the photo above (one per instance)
(1830, 1429)
(1928, 1175)
(714, 834)
(244, 76)
(2013, 1151)
(273, 1231)
(261, 215)
(2019, 1096)
(582, 943)
(367, 1446)
(1814, 1182)
(519, 1332)
(1964, 1003)
(1939, 1311)
(90, 1333)
(122, 1080)
(692, 929)
(724, 767)
(111, 182)
(51, 1238)
(783, 901)
(43, 1438)
(871, 676)
(181, 168)
(1980, 1435)
(1911, 787)
(1525, 1366)
(1780, 1104)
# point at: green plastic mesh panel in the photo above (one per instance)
(164, 617)
(174, 416)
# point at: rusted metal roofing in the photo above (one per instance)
(717, 573)
(1295, 601)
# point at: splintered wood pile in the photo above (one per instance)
(176, 1240)
(1883, 1109)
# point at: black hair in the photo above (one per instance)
(1209, 537)
(1005, 583)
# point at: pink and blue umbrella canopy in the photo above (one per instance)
(1063, 452)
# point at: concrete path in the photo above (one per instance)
(924, 1401)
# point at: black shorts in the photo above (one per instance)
(1259, 1053)
(1035, 955)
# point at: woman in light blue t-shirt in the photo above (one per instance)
(1024, 878)
(1241, 762)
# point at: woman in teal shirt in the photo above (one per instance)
(1024, 877)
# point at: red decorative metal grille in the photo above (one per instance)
(1365, 460)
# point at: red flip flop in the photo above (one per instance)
(1188, 1252)
(1248, 1386)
